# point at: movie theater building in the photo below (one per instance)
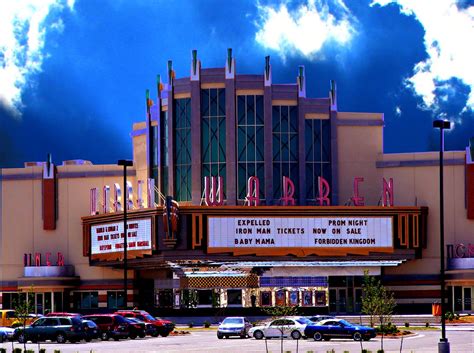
(243, 193)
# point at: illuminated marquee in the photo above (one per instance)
(331, 235)
(108, 238)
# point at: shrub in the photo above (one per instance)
(380, 351)
(207, 324)
(29, 351)
(427, 324)
(407, 324)
(3, 350)
(57, 351)
(17, 350)
(42, 350)
(331, 351)
(387, 329)
(365, 351)
(191, 324)
(449, 316)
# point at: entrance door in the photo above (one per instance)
(39, 304)
(467, 302)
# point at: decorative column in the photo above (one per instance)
(334, 146)
(50, 195)
(268, 132)
(196, 129)
(301, 80)
(230, 141)
(171, 75)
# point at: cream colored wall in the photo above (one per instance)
(358, 148)
(420, 185)
(140, 162)
(22, 225)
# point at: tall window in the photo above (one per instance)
(115, 299)
(213, 133)
(164, 152)
(182, 148)
(285, 147)
(250, 143)
(318, 156)
(154, 156)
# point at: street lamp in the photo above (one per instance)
(125, 163)
(443, 344)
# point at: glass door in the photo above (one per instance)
(467, 302)
(39, 304)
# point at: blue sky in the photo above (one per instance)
(73, 74)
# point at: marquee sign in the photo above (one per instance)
(107, 238)
(300, 235)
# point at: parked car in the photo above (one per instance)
(8, 318)
(59, 329)
(63, 314)
(163, 327)
(91, 330)
(287, 327)
(335, 328)
(317, 318)
(136, 328)
(234, 326)
(110, 326)
(6, 333)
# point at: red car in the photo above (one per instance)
(110, 326)
(163, 327)
(63, 314)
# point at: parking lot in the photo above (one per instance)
(206, 341)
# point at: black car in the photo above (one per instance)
(91, 330)
(59, 329)
(136, 328)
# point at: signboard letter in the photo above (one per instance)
(324, 190)
(387, 193)
(106, 199)
(214, 191)
(150, 188)
(117, 198)
(288, 192)
(357, 199)
(140, 194)
(253, 191)
(93, 204)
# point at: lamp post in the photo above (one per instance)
(443, 345)
(125, 163)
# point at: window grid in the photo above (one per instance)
(250, 143)
(213, 135)
(317, 156)
(285, 147)
(182, 141)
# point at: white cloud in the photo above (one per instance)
(22, 37)
(398, 111)
(449, 33)
(305, 29)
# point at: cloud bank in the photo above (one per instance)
(449, 33)
(23, 27)
(306, 29)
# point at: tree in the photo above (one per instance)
(23, 307)
(377, 302)
(278, 312)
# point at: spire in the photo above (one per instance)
(268, 71)
(195, 67)
(171, 73)
(301, 82)
(333, 95)
(230, 65)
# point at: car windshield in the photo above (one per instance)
(304, 321)
(151, 318)
(233, 320)
(345, 323)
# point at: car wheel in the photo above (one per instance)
(88, 339)
(132, 336)
(326, 338)
(258, 335)
(317, 336)
(220, 336)
(104, 336)
(366, 338)
(154, 334)
(296, 335)
(243, 335)
(22, 338)
(165, 334)
(142, 335)
(60, 338)
(357, 336)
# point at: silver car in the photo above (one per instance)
(234, 326)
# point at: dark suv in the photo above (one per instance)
(163, 327)
(110, 326)
(59, 329)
